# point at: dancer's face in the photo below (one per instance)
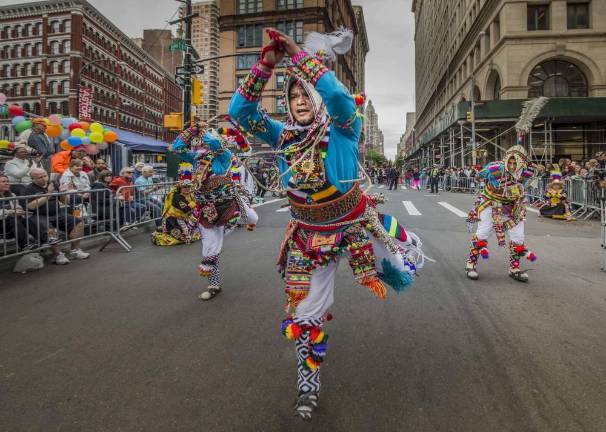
(300, 105)
(512, 165)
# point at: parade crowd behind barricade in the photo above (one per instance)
(56, 190)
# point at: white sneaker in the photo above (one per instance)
(78, 254)
(61, 259)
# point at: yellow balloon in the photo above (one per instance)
(96, 137)
(78, 132)
(96, 127)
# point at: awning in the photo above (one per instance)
(138, 142)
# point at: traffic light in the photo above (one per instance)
(197, 91)
(469, 116)
(173, 121)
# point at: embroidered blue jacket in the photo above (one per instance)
(221, 163)
(341, 162)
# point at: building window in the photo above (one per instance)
(578, 15)
(289, 4)
(280, 105)
(280, 81)
(538, 17)
(250, 35)
(294, 29)
(557, 78)
(246, 61)
(250, 6)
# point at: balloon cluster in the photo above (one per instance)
(91, 137)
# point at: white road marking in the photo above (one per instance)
(453, 209)
(381, 186)
(267, 202)
(532, 209)
(411, 209)
(404, 187)
(283, 209)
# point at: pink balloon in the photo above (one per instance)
(54, 119)
(91, 149)
(101, 146)
(2, 98)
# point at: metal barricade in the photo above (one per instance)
(137, 205)
(31, 223)
(602, 199)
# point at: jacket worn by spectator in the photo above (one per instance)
(17, 170)
(81, 182)
(60, 161)
(41, 143)
(127, 193)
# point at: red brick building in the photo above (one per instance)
(49, 48)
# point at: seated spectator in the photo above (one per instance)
(122, 186)
(60, 161)
(145, 192)
(48, 218)
(100, 166)
(17, 169)
(75, 178)
(102, 196)
(556, 204)
(12, 217)
(87, 164)
(138, 172)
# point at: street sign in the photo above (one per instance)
(195, 70)
(180, 81)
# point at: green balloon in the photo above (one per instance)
(23, 126)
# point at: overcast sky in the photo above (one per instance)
(389, 65)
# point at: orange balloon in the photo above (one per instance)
(53, 130)
(84, 125)
(110, 136)
(64, 145)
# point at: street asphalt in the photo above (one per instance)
(119, 342)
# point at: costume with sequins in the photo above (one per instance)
(501, 207)
(220, 202)
(331, 216)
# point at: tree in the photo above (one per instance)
(375, 157)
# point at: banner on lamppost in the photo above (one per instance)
(85, 105)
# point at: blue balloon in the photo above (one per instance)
(74, 141)
(85, 140)
(64, 134)
(16, 120)
(65, 122)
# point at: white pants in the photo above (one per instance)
(485, 228)
(321, 293)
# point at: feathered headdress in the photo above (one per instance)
(185, 173)
(530, 110)
(327, 46)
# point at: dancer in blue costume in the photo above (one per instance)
(331, 216)
(220, 201)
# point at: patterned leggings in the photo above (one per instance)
(308, 377)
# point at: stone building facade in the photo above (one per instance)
(205, 39)
(499, 53)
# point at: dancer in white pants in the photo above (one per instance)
(221, 202)
(501, 208)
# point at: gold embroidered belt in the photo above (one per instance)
(330, 210)
(215, 182)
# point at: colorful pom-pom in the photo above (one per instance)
(531, 256)
(520, 249)
(515, 264)
(484, 253)
(359, 99)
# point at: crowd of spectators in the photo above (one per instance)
(78, 196)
